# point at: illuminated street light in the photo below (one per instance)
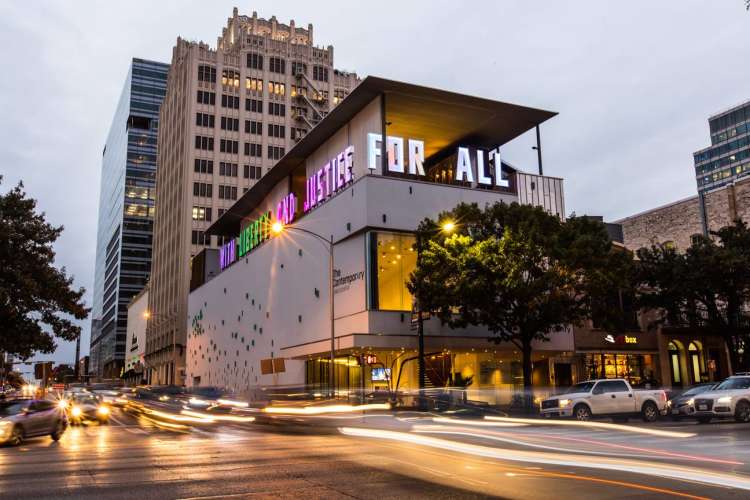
(277, 227)
(449, 226)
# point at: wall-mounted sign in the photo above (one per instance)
(253, 234)
(621, 339)
(227, 254)
(343, 283)
(471, 164)
(286, 209)
(333, 176)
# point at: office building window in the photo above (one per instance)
(202, 213)
(220, 212)
(320, 73)
(299, 68)
(254, 61)
(252, 172)
(231, 124)
(200, 238)
(254, 105)
(276, 88)
(252, 149)
(227, 192)
(253, 127)
(205, 97)
(276, 130)
(298, 90)
(392, 259)
(275, 152)
(230, 78)
(228, 169)
(202, 189)
(229, 146)
(276, 109)
(204, 120)
(298, 133)
(276, 65)
(206, 73)
(204, 166)
(203, 142)
(254, 84)
(230, 101)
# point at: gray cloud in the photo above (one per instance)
(634, 83)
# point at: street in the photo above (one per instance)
(381, 456)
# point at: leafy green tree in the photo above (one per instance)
(37, 301)
(706, 288)
(518, 271)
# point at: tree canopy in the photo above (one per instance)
(37, 300)
(519, 271)
(706, 288)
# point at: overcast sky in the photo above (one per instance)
(634, 83)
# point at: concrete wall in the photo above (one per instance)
(135, 346)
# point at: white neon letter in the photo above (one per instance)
(416, 157)
(463, 165)
(348, 163)
(500, 179)
(374, 142)
(395, 146)
(482, 177)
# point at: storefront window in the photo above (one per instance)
(392, 259)
(638, 369)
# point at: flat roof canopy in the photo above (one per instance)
(444, 117)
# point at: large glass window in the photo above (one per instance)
(392, 259)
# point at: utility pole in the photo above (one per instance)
(78, 355)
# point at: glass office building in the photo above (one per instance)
(126, 211)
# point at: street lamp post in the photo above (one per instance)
(277, 228)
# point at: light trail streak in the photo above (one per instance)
(478, 423)
(218, 418)
(497, 436)
(655, 469)
(594, 425)
(318, 410)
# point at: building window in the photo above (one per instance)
(229, 146)
(299, 68)
(228, 169)
(202, 189)
(252, 172)
(205, 97)
(206, 73)
(231, 124)
(204, 166)
(276, 130)
(227, 192)
(254, 61)
(203, 142)
(391, 260)
(275, 152)
(254, 105)
(230, 101)
(298, 133)
(204, 120)
(252, 149)
(202, 213)
(320, 73)
(230, 78)
(200, 238)
(253, 127)
(276, 88)
(254, 84)
(276, 65)
(276, 109)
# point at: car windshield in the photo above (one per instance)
(12, 409)
(734, 383)
(582, 387)
(86, 399)
(208, 392)
(697, 390)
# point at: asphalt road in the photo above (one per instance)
(380, 457)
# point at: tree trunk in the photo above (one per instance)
(528, 397)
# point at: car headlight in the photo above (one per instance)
(102, 410)
(76, 411)
(564, 402)
(669, 403)
(62, 404)
(724, 400)
(691, 401)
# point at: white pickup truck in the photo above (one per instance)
(606, 398)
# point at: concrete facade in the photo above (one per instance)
(230, 114)
(136, 343)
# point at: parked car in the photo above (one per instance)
(731, 398)
(680, 404)
(83, 406)
(606, 398)
(25, 418)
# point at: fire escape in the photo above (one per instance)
(317, 105)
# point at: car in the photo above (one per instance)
(25, 418)
(731, 398)
(606, 398)
(84, 406)
(680, 404)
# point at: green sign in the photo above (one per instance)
(255, 233)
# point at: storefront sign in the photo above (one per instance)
(468, 161)
(333, 176)
(621, 339)
(342, 283)
(227, 254)
(254, 234)
(286, 209)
